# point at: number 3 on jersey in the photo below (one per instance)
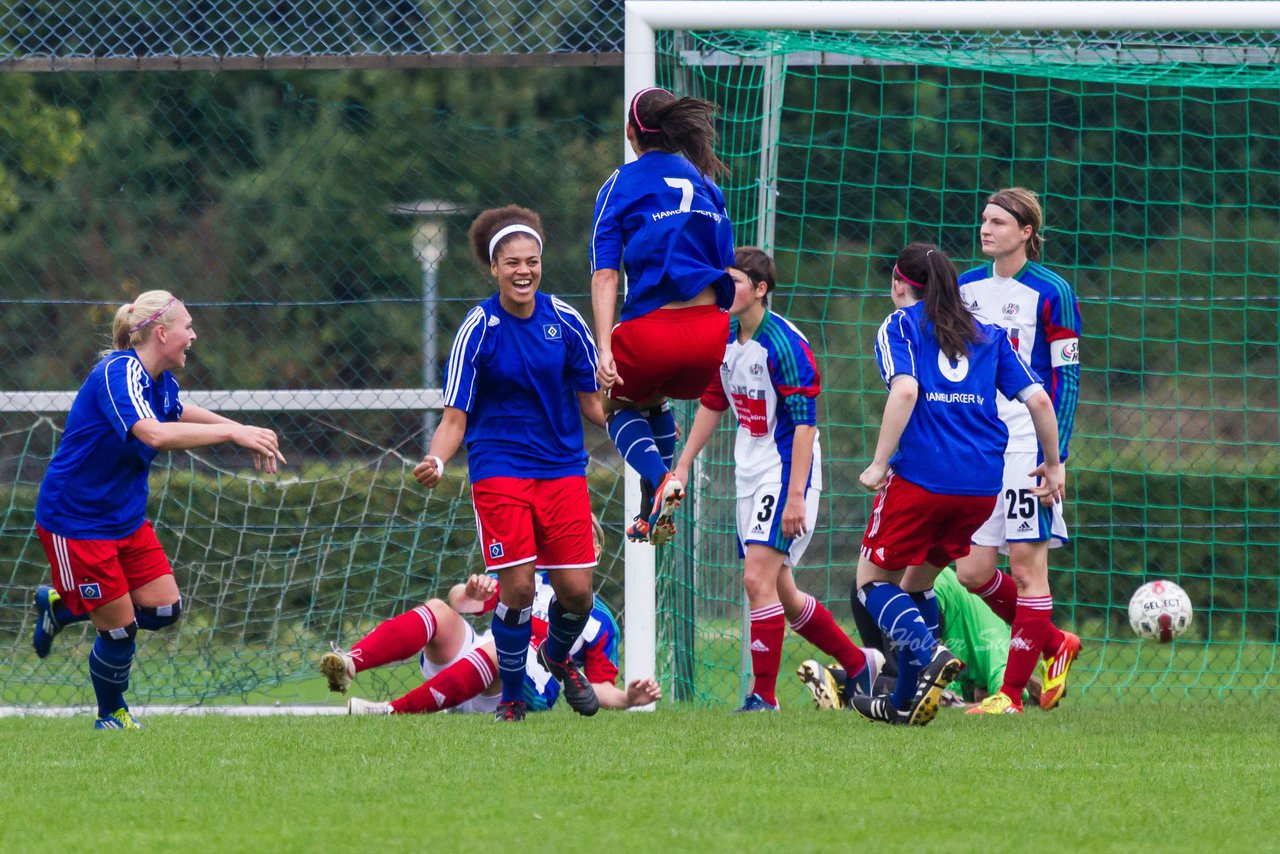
(685, 186)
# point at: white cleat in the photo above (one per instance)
(356, 706)
(339, 668)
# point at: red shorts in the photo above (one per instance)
(89, 573)
(910, 525)
(545, 521)
(671, 352)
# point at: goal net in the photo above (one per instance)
(1158, 164)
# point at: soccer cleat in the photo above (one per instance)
(356, 706)
(879, 708)
(46, 599)
(996, 704)
(119, 719)
(638, 530)
(936, 675)
(578, 692)
(1056, 670)
(822, 684)
(755, 703)
(512, 710)
(666, 500)
(865, 681)
(339, 668)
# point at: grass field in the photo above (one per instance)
(1199, 777)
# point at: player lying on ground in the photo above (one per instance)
(937, 467)
(769, 377)
(460, 666)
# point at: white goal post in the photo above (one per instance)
(645, 17)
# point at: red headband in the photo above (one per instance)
(898, 273)
(635, 108)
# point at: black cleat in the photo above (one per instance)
(878, 708)
(578, 692)
(936, 675)
(513, 710)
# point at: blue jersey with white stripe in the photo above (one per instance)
(96, 484)
(1039, 310)
(954, 442)
(666, 223)
(517, 379)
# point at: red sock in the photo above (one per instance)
(1030, 627)
(457, 683)
(1052, 641)
(396, 639)
(768, 625)
(1001, 594)
(816, 625)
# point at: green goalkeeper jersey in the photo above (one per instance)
(974, 633)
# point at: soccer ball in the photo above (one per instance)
(1160, 611)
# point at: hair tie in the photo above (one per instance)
(930, 252)
(518, 228)
(129, 308)
(897, 272)
(153, 318)
(635, 108)
(1022, 222)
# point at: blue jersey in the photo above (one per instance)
(954, 443)
(517, 379)
(772, 382)
(1039, 310)
(96, 485)
(672, 222)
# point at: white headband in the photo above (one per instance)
(512, 229)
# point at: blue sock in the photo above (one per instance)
(512, 630)
(158, 617)
(563, 630)
(927, 602)
(663, 424)
(631, 433)
(63, 616)
(109, 663)
(899, 618)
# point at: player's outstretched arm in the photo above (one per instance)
(704, 425)
(897, 412)
(604, 305)
(199, 428)
(444, 444)
(641, 692)
(1051, 472)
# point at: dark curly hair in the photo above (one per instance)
(493, 220)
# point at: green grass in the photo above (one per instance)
(1190, 778)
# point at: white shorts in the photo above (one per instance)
(760, 521)
(1019, 516)
(480, 703)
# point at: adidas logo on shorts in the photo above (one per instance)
(1024, 528)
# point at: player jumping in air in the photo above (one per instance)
(521, 376)
(107, 564)
(663, 219)
(769, 377)
(937, 467)
(1039, 310)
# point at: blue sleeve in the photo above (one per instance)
(1061, 326)
(124, 395)
(725, 235)
(583, 356)
(460, 372)
(606, 229)
(794, 373)
(894, 348)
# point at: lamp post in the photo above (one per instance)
(430, 243)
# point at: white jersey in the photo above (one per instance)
(772, 383)
(1039, 310)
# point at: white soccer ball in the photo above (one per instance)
(1160, 611)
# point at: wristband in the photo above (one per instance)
(439, 464)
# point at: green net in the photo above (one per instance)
(1159, 171)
